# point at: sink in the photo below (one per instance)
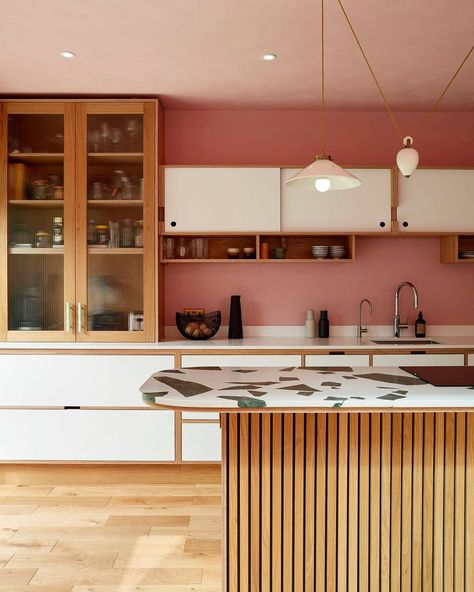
(404, 342)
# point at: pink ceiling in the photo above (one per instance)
(205, 53)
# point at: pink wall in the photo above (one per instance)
(280, 295)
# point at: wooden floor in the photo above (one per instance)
(108, 530)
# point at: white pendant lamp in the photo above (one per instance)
(323, 174)
(407, 158)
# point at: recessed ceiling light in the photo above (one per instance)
(69, 55)
(269, 57)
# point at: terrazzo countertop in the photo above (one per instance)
(222, 388)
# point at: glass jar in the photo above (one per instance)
(126, 233)
(42, 240)
(40, 189)
(58, 236)
(58, 192)
(102, 231)
(122, 187)
(139, 233)
(91, 233)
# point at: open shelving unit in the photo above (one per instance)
(453, 246)
(298, 247)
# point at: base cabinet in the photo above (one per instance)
(419, 360)
(338, 360)
(240, 360)
(93, 435)
(80, 380)
(201, 442)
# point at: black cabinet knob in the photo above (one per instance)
(405, 224)
(173, 223)
(382, 224)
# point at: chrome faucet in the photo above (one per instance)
(363, 329)
(396, 319)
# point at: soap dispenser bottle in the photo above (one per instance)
(420, 326)
(324, 325)
(310, 324)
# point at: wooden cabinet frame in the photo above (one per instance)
(75, 212)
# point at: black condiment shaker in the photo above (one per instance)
(235, 319)
(324, 324)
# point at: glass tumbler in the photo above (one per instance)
(168, 247)
(199, 248)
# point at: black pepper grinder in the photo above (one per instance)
(235, 319)
(324, 324)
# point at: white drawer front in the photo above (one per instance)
(338, 360)
(49, 435)
(199, 415)
(240, 360)
(80, 380)
(201, 442)
(419, 360)
(470, 359)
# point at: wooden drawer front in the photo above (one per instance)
(419, 360)
(199, 415)
(241, 360)
(338, 360)
(201, 442)
(76, 380)
(49, 435)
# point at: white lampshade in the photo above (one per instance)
(323, 168)
(407, 158)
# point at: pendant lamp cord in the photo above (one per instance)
(389, 110)
(322, 78)
(453, 77)
(392, 117)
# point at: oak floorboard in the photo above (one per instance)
(103, 537)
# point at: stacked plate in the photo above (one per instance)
(337, 251)
(466, 254)
(320, 251)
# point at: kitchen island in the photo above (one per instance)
(337, 478)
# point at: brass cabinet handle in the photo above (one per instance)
(69, 317)
(79, 318)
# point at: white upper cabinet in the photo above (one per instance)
(436, 200)
(222, 199)
(364, 209)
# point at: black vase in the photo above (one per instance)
(235, 319)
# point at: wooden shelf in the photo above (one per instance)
(115, 157)
(37, 157)
(35, 251)
(36, 203)
(451, 246)
(233, 261)
(114, 251)
(114, 203)
(298, 247)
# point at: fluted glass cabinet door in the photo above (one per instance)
(37, 221)
(114, 191)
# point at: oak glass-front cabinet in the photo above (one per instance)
(77, 221)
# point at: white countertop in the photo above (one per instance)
(222, 388)
(263, 343)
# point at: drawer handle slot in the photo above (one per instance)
(336, 353)
(418, 353)
(68, 407)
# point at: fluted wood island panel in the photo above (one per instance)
(359, 501)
